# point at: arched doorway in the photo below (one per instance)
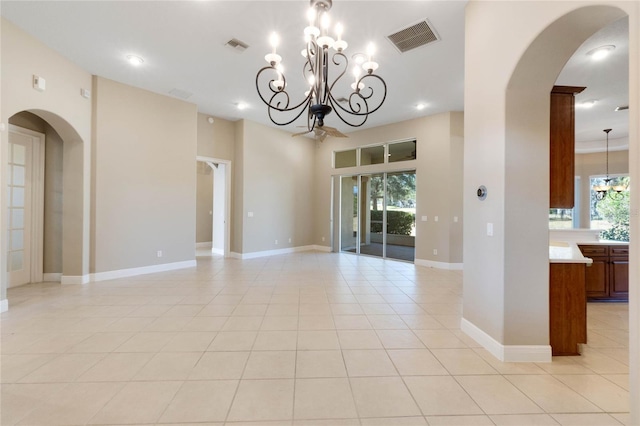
(61, 232)
(506, 294)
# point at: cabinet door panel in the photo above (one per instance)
(619, 277)
(597, 278)
(562, 146)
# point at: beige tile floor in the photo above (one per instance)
(302, 339)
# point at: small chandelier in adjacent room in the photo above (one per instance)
(606, 188)
(323, 70)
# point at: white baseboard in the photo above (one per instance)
(203, 245)
(4, 305)
(506, 353)
(438, 265)
(52, 277)
(123, 273)
(289, 250)
(217, 251)
(132, 272)
(75, 279)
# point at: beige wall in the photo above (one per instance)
(594, 164)
(439, 162)
(204, 203)
(216, 140)
(237, 188)
(69, 114)
(144, 178)
(274, 179)
(506, 149)
(53, 190)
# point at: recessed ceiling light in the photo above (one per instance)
(420, 107)
(242, 105)
(134, 60)
(601, 52)
(588, 104)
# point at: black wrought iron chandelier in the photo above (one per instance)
(603, 189)
(368, 92)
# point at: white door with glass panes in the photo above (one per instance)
(25, 167)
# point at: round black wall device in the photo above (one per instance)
(482, 192)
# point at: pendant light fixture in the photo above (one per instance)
(324, 66)
(606, 188)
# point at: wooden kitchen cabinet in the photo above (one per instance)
(619, 272)
(567, 308)
(608, 276)
(562, 146)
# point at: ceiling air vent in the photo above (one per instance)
(237, 45)
(414, 36)
(179, 93)
(622, 108)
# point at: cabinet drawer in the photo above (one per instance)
(595, 250)
(619, 250)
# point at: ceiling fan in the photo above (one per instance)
(321, 133)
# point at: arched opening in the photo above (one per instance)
(510, 71)
(527, 112)
(60, 232)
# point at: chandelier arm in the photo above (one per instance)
(325, 76)
(309, 65)
(303, 104)
(311, 124)
(358, 94)
(337, 63)
(276, 105)
(340, 110)
(384, 91)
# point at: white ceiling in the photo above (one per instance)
(183, 45)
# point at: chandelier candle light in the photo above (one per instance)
(368, 92)
(604, 189)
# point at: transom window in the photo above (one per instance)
(391, 152)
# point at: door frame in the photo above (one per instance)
(37, 202)
(227, 200)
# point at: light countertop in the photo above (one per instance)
(566, 252)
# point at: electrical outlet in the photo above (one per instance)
(322, 238)
(276, 242)
(424, 218)
(289, 239)
(159, 253)
(435, 218)
(435, 252)
(490, 229)
(455, 218)
(249, 214)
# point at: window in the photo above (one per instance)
(372, 155)
(560, 218)
(375, 154)
(611, 214)
(567, 218)
(402, 151)
(345, 159)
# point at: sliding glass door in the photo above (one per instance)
(400, 209)
(377, 215)
(371, 215)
